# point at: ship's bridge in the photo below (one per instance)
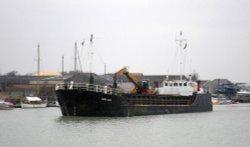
(180, 87)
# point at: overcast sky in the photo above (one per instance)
(140, 34)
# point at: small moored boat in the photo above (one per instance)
(33, 102)
(242, 97)
(6, 104)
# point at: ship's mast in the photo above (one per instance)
(182, 44)
(91, 79)
(38, 59)
(79, 58)
(62, 64)
(75, 57)
(105, 69)
(91, 53)
(38, 69)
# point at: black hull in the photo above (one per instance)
(89, 103)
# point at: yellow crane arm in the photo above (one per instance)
(131, 77)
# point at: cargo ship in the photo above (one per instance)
(87, 99)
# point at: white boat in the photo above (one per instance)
(6, 104)
(242, 97)
(33, 102)
(219, 99)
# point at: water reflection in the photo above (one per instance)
(76, 119)
(108, 121)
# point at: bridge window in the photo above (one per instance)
(180, 84)
(166, 84)
(185, 84)
(175, 84)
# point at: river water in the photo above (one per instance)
(226, 126)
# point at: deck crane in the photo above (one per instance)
(133, 77)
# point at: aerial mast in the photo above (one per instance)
(91, 79)
(38, 59)
(182, 45)
(75, 58)
(105, 69)
(38, 69)
(62, 64)
(91, 52)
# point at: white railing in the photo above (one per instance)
(88, 87)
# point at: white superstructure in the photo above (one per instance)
(178, 87)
